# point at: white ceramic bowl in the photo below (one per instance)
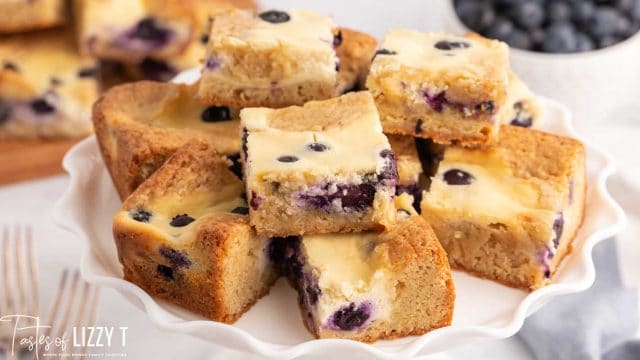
(596, 85)
(273, 328)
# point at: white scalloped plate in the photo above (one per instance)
(273, 328)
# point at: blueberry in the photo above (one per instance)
(41, 106)
(181, 220)
(274, 16)
(256, 200)
(349, 317)
(583, 11)
(241, 210)
(337, 39)
(560, 38)
(204, 39)
(5, 112)
(288, 159)
(524, 122)
(606, 22)
(141, 215)
(537, 36)
(559, 11)
(236, 165)
(476, 15)
(558, 227)
(419, 126)
(436, 102)
(87, 72)
(177, 258)
(458, 177)
(8, 65)
(624, 5)
(500, 29)
(165, 271)
(520, 39)
(147, 29)
(528, 14)
(215, 114)
(607, 41)
(318, 147)
(584, 42)
(404, 213)
(451, 45)
(383, 52)
(635, 12)
(157, 70)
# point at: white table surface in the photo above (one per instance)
(31, 203)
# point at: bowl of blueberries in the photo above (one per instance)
(584, 53)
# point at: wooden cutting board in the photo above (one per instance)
(31, 159)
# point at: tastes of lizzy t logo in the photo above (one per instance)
(28, 334)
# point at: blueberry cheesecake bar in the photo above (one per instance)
(271, 58)
(324, 167)
(509, 213)
(140, 29)
(369, 286)
(139, 125)
(183, 236)
(440, 86)
(46, 88)
(23, 15)
(523, 108)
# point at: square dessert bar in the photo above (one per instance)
(522, 107)
(509, 213)
(369, 286)
(321, 168)
(440, 86)
(184, 236)
(272, 59)
(134, 30)
(46, 88)
(23, 15)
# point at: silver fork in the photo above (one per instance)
(20, 295)
(75, 304)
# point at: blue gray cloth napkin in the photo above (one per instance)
(596, 324)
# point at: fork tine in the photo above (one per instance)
(92, 313)
(4, 302)
(19, 266)
(33, 272)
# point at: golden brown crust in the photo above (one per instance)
(355, 55)
(132, 146)
(20, 16)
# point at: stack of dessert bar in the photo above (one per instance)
(278, 162)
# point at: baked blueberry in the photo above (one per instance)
(337, 39)
(41, 106)
(241, 210)
(87, 72)
(157, 70)
(451, 45)
(8, 65)
(419, 126)
(177, 258)
(148, 30)
(204, 39)
(5, 112)
(318, 147)
(165, 271)
(558, 227)
(437, 101)
(274, 16)
(383, 52)
(236, 165)
(458, 177)
(54, 81)
(141, 215)
(288, 159)
(181, 220)
(351, 317)
(215, 114)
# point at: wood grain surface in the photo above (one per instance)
(31, 159)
